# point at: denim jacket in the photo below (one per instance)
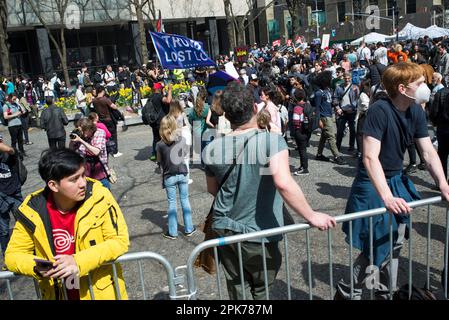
(354, 94)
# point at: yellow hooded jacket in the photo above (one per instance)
(101, 236)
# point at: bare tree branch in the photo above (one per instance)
(61, 49)
(104, 6)
(82, 4)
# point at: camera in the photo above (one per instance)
(76, 132)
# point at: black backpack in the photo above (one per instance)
(311, 118)
(151, 115)
(22, 170)
(3, 121)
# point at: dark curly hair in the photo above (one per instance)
(237, 102)
(324, 80)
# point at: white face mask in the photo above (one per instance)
(422, 94)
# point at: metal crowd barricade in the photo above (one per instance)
(173, 278)
(238, 239)
(9, 276)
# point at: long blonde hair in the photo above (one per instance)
(168, 129)
(264, 119)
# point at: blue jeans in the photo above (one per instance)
(8, 203)
(170, 183)
(105, 182)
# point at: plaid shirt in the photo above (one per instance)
(98, 141)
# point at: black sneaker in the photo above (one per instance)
(322, 158)
(411, 168)
(422, 166)
(168, 236)
(338, 296)
(340, 161)
(189, 234)
(301, 172)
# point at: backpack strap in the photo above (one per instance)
(231, 168)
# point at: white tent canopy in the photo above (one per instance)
(434, 32)
(411, 32)
(372, 37)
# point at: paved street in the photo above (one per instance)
(143, 202)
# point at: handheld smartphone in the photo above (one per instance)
(44, 264)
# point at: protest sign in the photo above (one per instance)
(242, 54)
(179, 52)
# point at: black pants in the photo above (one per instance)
(16, 133)
(156, 139)
(359, 134)
(443, 146)
(302, 139)
(25, 126)
(112, 127)
(341, 126)
(58, 143)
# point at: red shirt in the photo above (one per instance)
(63, 229)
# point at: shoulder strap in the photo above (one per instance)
(347, 90)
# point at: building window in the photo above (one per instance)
(411, 6)
(320, 15)
(390, 4)
(357, 9)
(341, 9)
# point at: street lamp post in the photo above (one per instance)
(394, 19)
(209, 49)
(317, 20)
(191, 25)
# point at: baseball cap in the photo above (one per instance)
(254, 77)
(158, 86)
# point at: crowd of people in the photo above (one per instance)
(384, 98)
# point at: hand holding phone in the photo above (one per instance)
(43, 265)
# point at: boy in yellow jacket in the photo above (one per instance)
(75, 223)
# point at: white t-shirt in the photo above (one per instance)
(107, 76)
(345, 101)
(381, 56)
(81, 98)
(364, 54)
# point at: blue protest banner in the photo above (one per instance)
(179, 52)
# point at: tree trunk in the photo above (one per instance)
(4, 47)
(240, 31)
(295, 26)
(229, 25)
(142, 34)
(252, 29)
(65, 69)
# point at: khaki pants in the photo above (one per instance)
(328, 134)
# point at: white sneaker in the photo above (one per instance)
(118, 154)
